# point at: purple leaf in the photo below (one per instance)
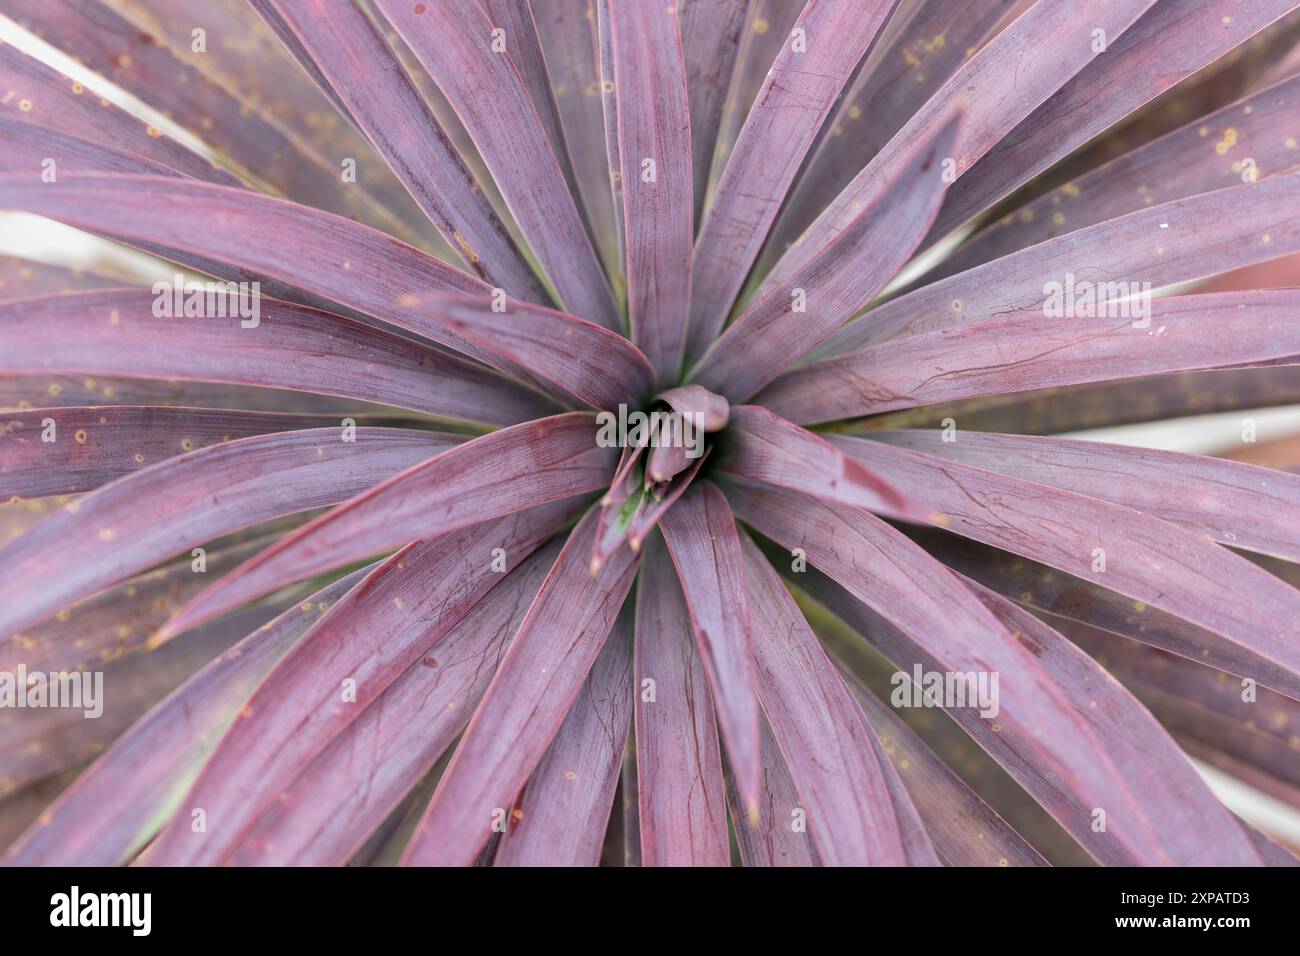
(772, 839)
(518, 19)
(705, 547)
(525, 705)
(1194, 828)
(965, 830)
(1162, 245)
(497, 474)
(348, 790)
(609, 117)
(567, 31)
(37, 742)
(1175, 39)
(244, 111)
(457, 45)
(113, 809)
(1204, 709)
(765, 447)
(359, 268)
(1149, 560)
(349, 658)
(1197, 158)
(1001, 84)
(115, 332)
(682, 810)
(1143, 399)
(654, 135)
(360, 71)
(566, 804)
(936, 624)
(564, 355)
(826, 47)
(94, 445)
(44, 97)
(1024, 351)
(1066, 597)
(30, 150)
(827, 746)
(919, 49)
(120, 620)
(793, 318)
(710, 40)
(147, 517)
(1235, 504)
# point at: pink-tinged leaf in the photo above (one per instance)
(121, 619)
(519, 21)
(710, 41)
(712, 411)
(94, 445)
(115, 332)
(349, 789)
(524, 707)
(566, 803)
(1068, 598)
(1175, 39)
(1149, 560)
(365, 642)
(964, 829)
(362, 72)
(705, 547)
(35, 93)
(1027, 350)
(354, 266)
(128, 47)
(497, 474)
(117, 805)
(455, 42)
(1162, 245)
(772, 839)
(567, 32)
(1151, 398)
(767, 29)
(1235, 504)
(796, 316)
(918, 50)
(765, 447)
(1195, 827)
(21, 392)
(147, 517)
(1204, 709)
(609, 117)
(22, 278)
(654, 134)
(1003, 83)
(931, 621)
(36, 742)
(1197, 158)
(563, 354)
(30, 150)
(829, 749)
(682, 811)
(827, 46)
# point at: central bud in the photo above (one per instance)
(663, 450)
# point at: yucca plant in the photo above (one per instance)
(628, 432)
